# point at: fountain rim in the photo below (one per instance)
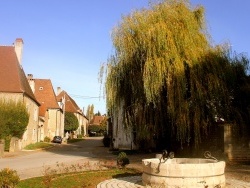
(190, 161)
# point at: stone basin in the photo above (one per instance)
(183, 172)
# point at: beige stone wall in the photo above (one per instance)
(54, 123)
(31, 134)
(11, 96)
(82, 127)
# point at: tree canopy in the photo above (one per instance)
(71, 122)
(90, 112)
(167, 76)
(14, 119)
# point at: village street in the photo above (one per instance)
(33, 163)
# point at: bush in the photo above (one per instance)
(7, 143)
(14, 118)
(71, 122)
(79, 136)
(47, 139)
(8, 178)
(122, 160)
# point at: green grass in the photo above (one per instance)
(73, 140)
(86, 179)
(38, 145)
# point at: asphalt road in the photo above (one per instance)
(34, 163)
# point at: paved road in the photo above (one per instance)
(34, 163)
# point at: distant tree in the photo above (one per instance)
(87, 112)
(98, 113)
(92, 109)
(90, 112)
(71, 122)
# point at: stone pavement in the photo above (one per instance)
(135, 182)
(125, 182)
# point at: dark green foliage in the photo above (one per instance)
(7, 143)
(94, 128)
(14, 119)
(97, 128)
(71, 122)
(98, 114)
(122, 159)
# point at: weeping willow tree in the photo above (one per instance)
(166, 76)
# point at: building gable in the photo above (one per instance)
(12, 76)
(44, 93)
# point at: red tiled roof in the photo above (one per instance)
(70, 104)
(97, 120)
(45, 94)
(12, 76)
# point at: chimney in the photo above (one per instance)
(59, 90)
(30, 76)
(31, 82)
(19, 49)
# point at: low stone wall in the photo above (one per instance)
(237, 148)
(15, 144)
(238, 154)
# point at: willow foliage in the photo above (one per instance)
(165, 74)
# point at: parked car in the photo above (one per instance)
(92, 133)
(57, 139)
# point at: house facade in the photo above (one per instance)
(71, 106)
(14, 86)
(51, 116)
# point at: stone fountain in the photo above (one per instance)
(170, 172)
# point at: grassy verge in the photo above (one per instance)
(38, 145)
(86, 179)
(73, 140)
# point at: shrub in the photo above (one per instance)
(14, 118)
(8, 178)
(79, 136)
(122, 160)
(71, 122)
(7, 143)
(47, 139)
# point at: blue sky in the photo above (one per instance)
(67, 41)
